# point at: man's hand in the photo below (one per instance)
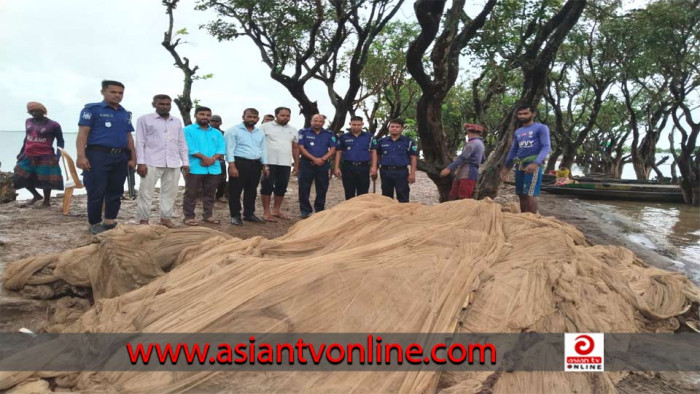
(532, 168)
(295, 169)
(83, 163)
(185, 170)
(445, 172)
(318, 161)
(412, 178)
(142, 170)
(232, 171)
(338, 174)
(207, 161)
(373, 173)
(504, 174)
(266, 171)
(132, 164)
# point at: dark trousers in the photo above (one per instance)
(247, 182)
(312, 174)
(395, 180)
(104, 183)
(355, 179)
(276, 182)
(194, 185)
(221, 188)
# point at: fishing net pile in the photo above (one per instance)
(367, 265)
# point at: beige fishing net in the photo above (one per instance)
(367, 265)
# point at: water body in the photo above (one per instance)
(672, 230)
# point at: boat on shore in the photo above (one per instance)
(619, 191)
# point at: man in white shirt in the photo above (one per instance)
(282, 150)
(161, 153)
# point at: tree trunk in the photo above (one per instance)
(690, 176)
(567, 160)
(307, 108)
(552, 161)
(433, 142)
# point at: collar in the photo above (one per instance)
(155, 115)
(311, 131)
(104, 104)
(241, 126)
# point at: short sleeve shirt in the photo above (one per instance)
(355, 148)
(108, 126)
(395, 153)
(317, 144)
(279, 141)
(40, 137)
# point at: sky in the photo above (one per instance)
(57, 52)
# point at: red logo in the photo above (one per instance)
(584, 345)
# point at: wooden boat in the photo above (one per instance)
(592, 179)
(72, 179)
(619, 191)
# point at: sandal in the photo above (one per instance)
(211, 220)
(280, 216)
(191, 222)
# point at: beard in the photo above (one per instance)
(249, 124)
(203, 122)
(525, 120)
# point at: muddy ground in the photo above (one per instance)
(30, 230)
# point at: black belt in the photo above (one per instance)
(394, 168)
(244, 159)
(107, 149)
(355, 163)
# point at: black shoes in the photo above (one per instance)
(236, 220)
(305, 215)
(254, 219)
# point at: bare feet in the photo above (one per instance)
(46, 203)
(167, 223)
(269, 218)
(280, 215)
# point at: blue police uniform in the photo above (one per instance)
(317, 145)
(355, 151)
(108, 152)
(395, 157)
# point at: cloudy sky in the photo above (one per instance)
(57, 52)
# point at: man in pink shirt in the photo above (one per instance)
(161, 153)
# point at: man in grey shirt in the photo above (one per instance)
(465, 168)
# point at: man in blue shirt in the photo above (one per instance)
(316, 146)
(247, 156)
(206, 145)
(397, 152)
(105, 149)
(531, 145)
(354, 150)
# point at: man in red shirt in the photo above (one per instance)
(37, 162)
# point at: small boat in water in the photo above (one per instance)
(619, 191)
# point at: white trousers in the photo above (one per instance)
(169, 178)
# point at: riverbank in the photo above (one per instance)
(31, 230)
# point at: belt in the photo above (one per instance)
(244, 159)
(107, 149)
(356, 163)
(394, 168)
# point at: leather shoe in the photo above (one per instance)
(305, 215)
(236, 220)
(254, 219)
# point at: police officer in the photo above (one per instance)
(105, 152)
(354, 150)
(316, 146)
(397, 152)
